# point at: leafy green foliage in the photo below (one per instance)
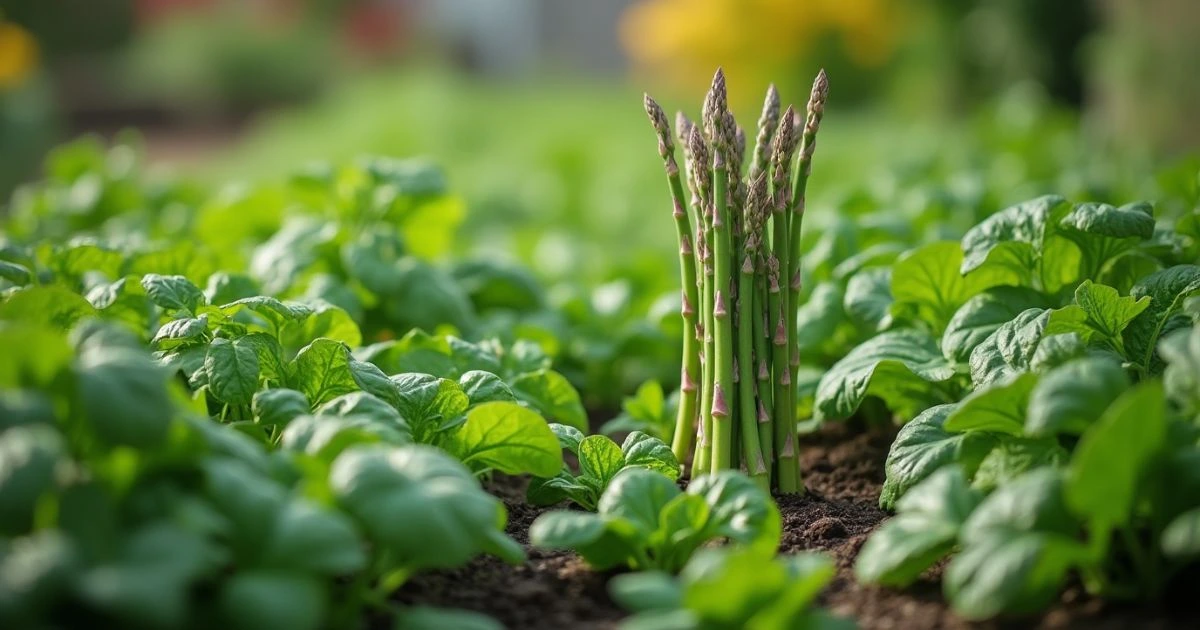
(644, 521)
(600, 460)
(730, 588)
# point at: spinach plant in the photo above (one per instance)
(600, 460)
(644, 521)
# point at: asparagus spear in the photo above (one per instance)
(681, 444)
(699, 164)
(723, 145)
(756, 463)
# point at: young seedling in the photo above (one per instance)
(739, 260)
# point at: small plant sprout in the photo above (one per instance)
(739, 259)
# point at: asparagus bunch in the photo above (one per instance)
(739, 259)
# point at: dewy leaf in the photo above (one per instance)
(507, 437)
(1109, 462)
(1167, 290)
(421, 506)
(981, 315)
(998, 407)
(173, 293)
(232, 368)
(868, 298)
(925, 529)
(923, 446)
(550, 393)
(1010, 348)
(481, 387)
(1017, 548)
(1020, 227)
(278, 407)
(1098, 311)
(646, 451)
(898, 366)
(428, 403)
(929, 280)
(1072, 396)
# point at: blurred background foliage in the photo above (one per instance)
(943, 111)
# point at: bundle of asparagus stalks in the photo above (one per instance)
(739, 255)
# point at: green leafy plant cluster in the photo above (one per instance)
(600, 460)
(122, 505)
(644, 521)
(739, 258)
(1044, 438)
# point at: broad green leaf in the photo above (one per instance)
(428, 618)
(1110, 460)
(923, 446)
(421, 506)
(34, 356)
(278, 407)
(646, 451)
(481, 387)
(898, 366)
(1018, 546)
(741, 510)
(1181, 379)
(427, 297)
(274, 313)
(568, 437)
(15, 273)
(124, 396)
(74, 261)
(566, 530)
(324, 320)
(180, 332)
(325, 437)
(998, 407)
(925, 530)
(321, 370)
(124, 300)
(1098, 312)
(1103, 232)
(429, 404)
(819, 316)
(308, 538)
(1072, 396)
(372, 380)
(223, 288)
(1181, 538)
(929, 280)
(1009, 349)
(638, 496)
(600, 459)
(646, 590)
(1019, 228)
(251, 600)
(1013, 457)
(362, 404)
(560, 487)
(981, 315)
(550, 393)
(41, 568)
(498, 285)
(1055, 350)
(868, 298)
(507, 437)
(173, 293)
(29, 459)
(233, 373)
(1167, 289)
(53, 306)
(272, 369)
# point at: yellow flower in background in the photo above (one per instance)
(18, 55)
(755, 40)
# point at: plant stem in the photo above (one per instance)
(778, 269)
(698, 156)
(762, 360)
(681, 444)
(722, 435)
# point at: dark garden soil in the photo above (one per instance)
(843, 469)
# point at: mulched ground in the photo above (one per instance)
(843, 469)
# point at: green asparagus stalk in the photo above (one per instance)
(681, 443)
(767, 122)
(762, 357)
(722, 436)
(752, 452)
(699, 157)
(787, 468)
